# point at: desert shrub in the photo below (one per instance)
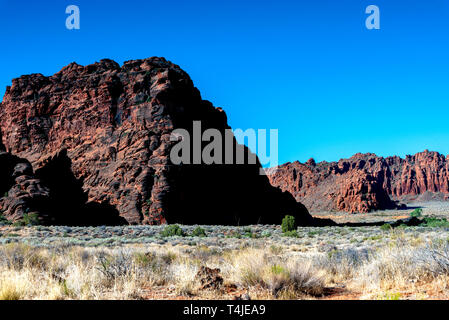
(153, 262)
(18, 223)
(145, 259)
(400, 264)
(172, 231)
(203, 253)
(248, 265)
(293, 234)
(293, 279)
(14, 256)
(385, 227)
(115, 266)
(416, 213)
(169, 257)
(374, 238)
(276, 250)
(199, 232)
(3, 219)
(17, 256)
(435, 259)
(435, 222)
(248, 233)
(288, 224)
(313, 233)
(31, 219)
(283, 278)
(37, 260)
(234, 234)
(28, 219)
(304, 279)
(266, 234)
(276, 269)
(341, 264)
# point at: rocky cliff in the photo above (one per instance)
(365, 182)
(96, 140)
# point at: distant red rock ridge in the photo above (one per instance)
(364, 182)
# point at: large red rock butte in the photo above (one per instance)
(365, 182)
(94, 143)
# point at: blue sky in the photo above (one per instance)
(308, 68)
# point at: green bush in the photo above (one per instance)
(276, 269)
(199, 232)
(416, 213)
(172, 231)
(28, 219)
(435, 222)
(288, 224)
(266, 234)
(293, 234)
(18, 223)
(234, 234)
(248, 233)
(385, 227)
(145, 259)
(3, 219)
(31, 219)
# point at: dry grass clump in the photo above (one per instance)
(10, 290)
(402, 266)
(125, 273)
(62, 272)
(283, 278)
(340, 266)
(19, 256)
(90, 273)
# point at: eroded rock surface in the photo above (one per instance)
(365, 182)
(20, 191)
(98, 137)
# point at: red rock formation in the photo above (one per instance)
(98, 137)
(364, 182)
(20, 192)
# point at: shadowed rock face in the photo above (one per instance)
(20, 191)
(364, 182)
(98, 137)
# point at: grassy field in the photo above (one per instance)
(218, 262)
(404, 269)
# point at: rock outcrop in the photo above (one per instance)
(20, 191)
(365, 182)
(98, 138)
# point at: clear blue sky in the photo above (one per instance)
(308, 68)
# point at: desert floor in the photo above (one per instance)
(254, 262)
